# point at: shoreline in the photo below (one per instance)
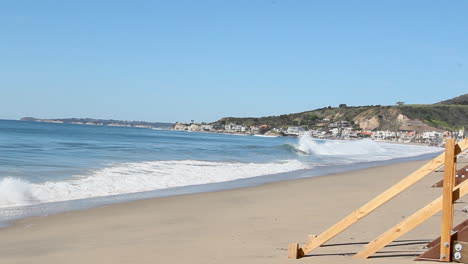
(245, 225)
(9, 215)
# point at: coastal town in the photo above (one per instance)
(322, 129)
(328, 130)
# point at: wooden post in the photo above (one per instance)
(447, 203)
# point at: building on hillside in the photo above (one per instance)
(234, 128)
(295, 131)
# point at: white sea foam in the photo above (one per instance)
(15, 191)
(267, 136)
(338, 147)
(349, 151)
(136, 177)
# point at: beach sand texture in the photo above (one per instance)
(248, 225)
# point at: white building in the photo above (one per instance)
(295, 131)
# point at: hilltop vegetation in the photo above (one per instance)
(460, 100)
(447, 115)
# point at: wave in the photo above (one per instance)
(309, 145)
(136, 177)
(357, 150)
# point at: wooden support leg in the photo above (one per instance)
(447, 201)
(293, 250)
(409, 223)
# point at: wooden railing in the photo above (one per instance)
(445, 203)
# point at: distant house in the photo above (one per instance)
(295, 131)
(255, 129)
(432, 135)
(341, 123)
(335, 131)
(195, 127)
(206, 127)
(233, 128)
(180, 126)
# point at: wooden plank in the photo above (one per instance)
(293, 249)
(310, 238)
(409, 223)
(381, 199)
(447, 201)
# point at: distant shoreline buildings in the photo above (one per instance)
(334, 130)
(324, 129)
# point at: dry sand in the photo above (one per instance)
(248, 225)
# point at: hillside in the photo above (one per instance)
(460, 100)
(375, 117)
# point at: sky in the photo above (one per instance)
(203, 60)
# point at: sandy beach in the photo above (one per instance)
(248, 225)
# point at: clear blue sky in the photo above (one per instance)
(203, 60)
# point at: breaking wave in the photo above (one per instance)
(136, 177)
(338, 147)
(358, 150)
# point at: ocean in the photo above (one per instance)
(48, 168)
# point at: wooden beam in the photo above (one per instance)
(381, 199)
(310, 238)
(447, 201)
(409, 223)
(461, 176)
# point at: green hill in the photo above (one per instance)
(460, 100)
(447, 115)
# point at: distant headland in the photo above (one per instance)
(102, 122)
(423, 123)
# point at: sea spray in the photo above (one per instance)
(15, 192)
(311, 146)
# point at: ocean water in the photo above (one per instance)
(47, 168)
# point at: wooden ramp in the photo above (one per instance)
(444, 203)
